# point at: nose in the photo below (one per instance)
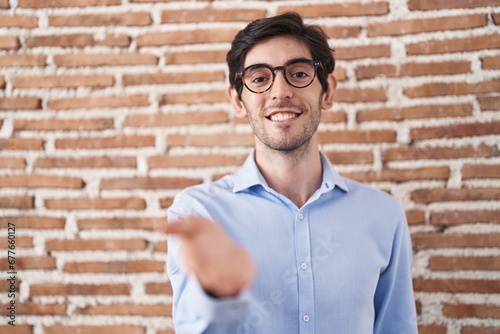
(280, 88)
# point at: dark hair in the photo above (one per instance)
(290, 24)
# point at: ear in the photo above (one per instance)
(238, 106)
(327, 101)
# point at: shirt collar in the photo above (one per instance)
(249, 176)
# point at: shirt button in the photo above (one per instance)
(305, 318)
(301, 216)
(303, 265)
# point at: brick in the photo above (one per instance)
(211, 14)
(455, 88)
(98, 124)
(24, 144)
(122, 223)
(412, 69)
(165, 331)
(473, 43)
(102, 59)
(437, 152)
(86, 162)
(105, 142)
(31, 263)
(351, 157)
(113, 40)
(445, 4)
(496, 18)
(431, 329)
(18, 329)
(9, 43)
(451, 195)
(166, 202)
(195, 160)
(146, 310)
(172, 78)
(2, 86)
(213, 96)
(70, 40)
(22, 60)
(36, 222)
(117, 267)
(107, 329)
(357, 136)
(415, 217)
(154, 288)
(179, 37)
(334, 117)
(416, 26)
(454, 263)
(339, 31)
(161, 247)
(416, 112)
(338, 10)
(4, 4)
(456, 131)
(30, 308)
(477, 171)
(353, 95)
(489, 102)
(490, 63)
(65, 3)
(20, 103)
(63, 81)
(137, 100)
(17, 202)
(21, 241)
(211, 140)
(95, 244)
(150, 183)
(401, 175)
(363, 52)
(12, 162)
(18, 21)
(450, 285)
(454, 240)
(195, 57)
(41, 181)
(127, 203)
(59, 289)
(471, 310)
(108, 19)
(457, 217)
(339, 73)
(479, 330)
(176, 119)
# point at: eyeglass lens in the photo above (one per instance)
(259, 78)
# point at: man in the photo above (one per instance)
(286, 245)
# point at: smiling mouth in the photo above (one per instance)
(281, 116)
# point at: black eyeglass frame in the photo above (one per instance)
(315, 63)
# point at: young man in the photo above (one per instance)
(287, 245)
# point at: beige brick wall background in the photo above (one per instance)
(109, 107)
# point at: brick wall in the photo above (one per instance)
(109, 107)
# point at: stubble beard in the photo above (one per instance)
(287, 144)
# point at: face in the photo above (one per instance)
(283, 118)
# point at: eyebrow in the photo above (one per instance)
(286, 63)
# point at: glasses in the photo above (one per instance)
(298, 73)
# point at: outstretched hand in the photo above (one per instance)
(222, 267)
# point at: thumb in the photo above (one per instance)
(182, 227)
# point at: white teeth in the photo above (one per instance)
(279, 117)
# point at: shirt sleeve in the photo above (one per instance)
(394, 300)
(194, 311)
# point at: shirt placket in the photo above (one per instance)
(305, 275)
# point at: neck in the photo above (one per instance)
(295, 174)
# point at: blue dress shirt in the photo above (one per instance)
(340, 264)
